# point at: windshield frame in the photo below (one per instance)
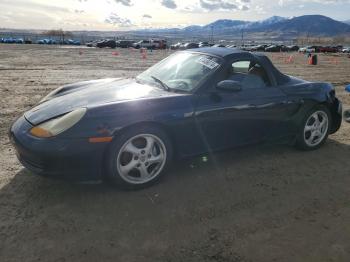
(199, 84)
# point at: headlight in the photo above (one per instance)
(58, 125)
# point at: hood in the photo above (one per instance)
(88, 94)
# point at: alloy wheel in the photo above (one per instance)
(316, 128)
(141, 159)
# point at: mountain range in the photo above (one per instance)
(311, 25)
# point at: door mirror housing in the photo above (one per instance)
(229, 85)
(347, 88)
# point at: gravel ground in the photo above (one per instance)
(261, 203)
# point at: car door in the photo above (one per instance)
(232, 118)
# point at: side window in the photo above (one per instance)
(250, 74)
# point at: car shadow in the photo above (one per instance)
(226, 165)
(221, 191)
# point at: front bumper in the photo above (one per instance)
(73, 159)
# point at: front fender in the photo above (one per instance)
(107, 120)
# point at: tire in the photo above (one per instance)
(138, 157)
(346, 115)
(312, 135)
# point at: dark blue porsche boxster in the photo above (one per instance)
(195, 101)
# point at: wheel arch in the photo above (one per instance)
(306, 106)
(332, 106)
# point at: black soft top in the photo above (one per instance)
(233, 53)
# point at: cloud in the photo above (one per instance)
(259, 9)
(329, 1)
(147, 16)
(124, 2)
(116, 20)
(282, 2)
(212, 5)
(169, 4)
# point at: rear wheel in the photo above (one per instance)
(138, 158)
(315, 128)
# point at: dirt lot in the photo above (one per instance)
(262, 203)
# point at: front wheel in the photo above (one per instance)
(139, 157)
(315, 128)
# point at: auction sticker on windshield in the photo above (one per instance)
(207, 62)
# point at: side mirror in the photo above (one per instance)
(347, 88)
(229, 85)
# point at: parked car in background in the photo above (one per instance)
(328, 49)
(246, 47)
(259, 48)
(189, 46)
(143, 44)
(73, 42)
(8, 41)
(159, 43)
(92, 44)
(203, 44)
(46, 42)
(12, 40)
(276, 48)
(339, 48)
(308, 49)
(175, 46)
(106, 43)
(302, 50)
(346, 50)
(124, 43)
(293, 48)
(182, 46)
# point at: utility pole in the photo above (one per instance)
(242, 43)
(212, 34)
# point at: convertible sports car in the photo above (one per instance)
(194, 101)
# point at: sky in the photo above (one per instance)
(134, 14)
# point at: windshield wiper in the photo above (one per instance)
(164, 85)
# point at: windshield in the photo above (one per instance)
(181, 71)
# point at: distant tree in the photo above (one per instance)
(62, 35)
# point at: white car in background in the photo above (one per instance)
(307, 49)
(346, 50)
(152, 43)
